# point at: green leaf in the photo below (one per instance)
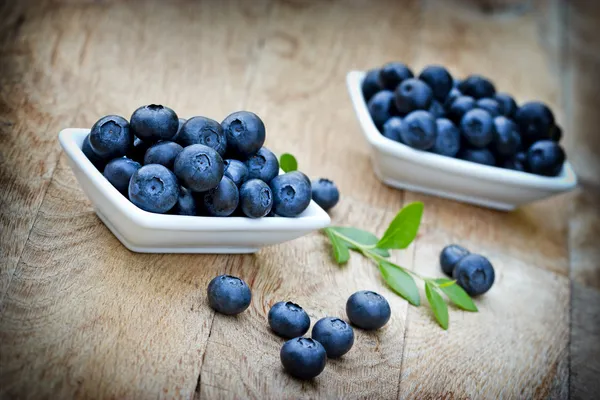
(438, 305)
(401, 282)
(340, 250)
(456, 294)
(403, 229)
(288, 163)
(366, 239)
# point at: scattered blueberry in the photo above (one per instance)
(325, 193)
(236, 171)
(288, 319)
(86, 148)
(111, 137)
(412, 94)
(439, 80)
(507, 140)
(489, 105)
(451, 255)
(291, 193)
(474, 273)
(382, 107)
(256, 199)
(153, 188)
(202, 130)
(263, 165)
(370, 84)
(477, 127)
(138, 151)
(479, 156)
(228, 295)
(391, 129)
(460, 107)
(200, 168)
(392, 74)
(303, 358)
(222, 200)
(336, 336)
(186, 204)
(447, 142)
(535, 121)
(245, 133)
(163, 153)
(119, 171)
(508, 105)
(437, 109)
(368, 310)
(477, 87)
(154, 122)
(545, 157)
(419, 130)
(518, 162)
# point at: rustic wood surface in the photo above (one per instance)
(82, 317)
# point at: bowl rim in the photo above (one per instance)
(71, 139)
(565, 181)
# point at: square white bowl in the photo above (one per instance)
(403, 167)
(146, 232)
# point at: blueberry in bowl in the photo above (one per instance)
(154, 122)
(163, 153)
(205, 131)
(245, 133)
(119, 172)
(256, 198)
(325, 193)
(199, 167)
(292, 193)
(154, 188)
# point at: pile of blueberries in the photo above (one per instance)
(465, 118)
(473, 272)
(301, 357)
(166, 164)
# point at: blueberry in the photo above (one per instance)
(518, 162)
(391, 129)
(382, 107)
(138, 151)
(325, 193)
(200, 168)
(288, 319)
(236, 171)
(291, 193)
(545, 157)
(154, 122)
(228, 295)
(222, 200)
(370, 85)
(556, 133)
(419, 130)
(181, 121)
(111, 137)
(439, 80)
(479, 156)
(256, 199)
(489, 105)
(368, 310)
(507, 104)
(245, 133)
(202, 130)
(263, 165)
(119, 171)
(163, 153)
(474, 273)
(303, 358)
(411, 95)
(535, 121)
(447, 142)
(153, 188)
(477, 127)
(459, 108)
(453, 95)
(392, 74)
(450, 255)
(186, 204)
(437, 109)
(336, 336)
(86, 148)
(477, 86)
(507, 140)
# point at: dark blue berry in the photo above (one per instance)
(477, 87)
(391, 129)
(451, 255)
(181, 121)
(507, 140)
(474, 273)
(489, 105)
(518, 162)
(228, 295)
(419, 130)
(382, 107)
(447, 142)
(202, 130)
(477, 127)
(479, 156)
(245, 133)
(370, 85)
(200, 168)
(154, 122)
(288, 319)
(325, 193)
(186, 204)
(86, 148)
(111, 137)
(412, 94)
(439, 80)
(138, 151)
(163, 153)
(119, 171)
(545, 157)
(222, 200)
(437, 109)
(368, 310)
(256, 199)
(336, 336)
(459, 108)
(453, 95)
(291, 193)
(263, 165)
(535, 121)
(392, 74)
(236, 171)
(303, 358)
(556, 133)
(154, 188)
(507, 104)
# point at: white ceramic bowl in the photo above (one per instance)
(403, 167)
(145, 232)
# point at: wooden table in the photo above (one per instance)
(81, 316)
